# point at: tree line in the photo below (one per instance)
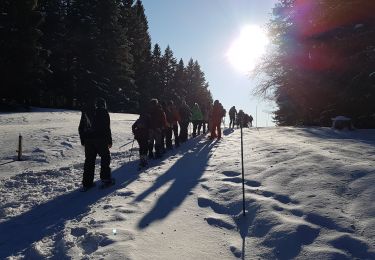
(322, 62)
(60, 53)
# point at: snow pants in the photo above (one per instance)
(93, 147)
(216, 129)
(155, 140)
(173, 130)
(232, 121)
(143, 149)
(197, 124)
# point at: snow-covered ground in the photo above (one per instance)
(309, 195)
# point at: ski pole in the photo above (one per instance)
(131, 150)
(126, 144)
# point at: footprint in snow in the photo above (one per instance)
(219, 223)
(124, 193)
(38, 150)
(91, 242)
(79, 231)
(125, 211)
(118, 217)
(236, 251)
(357, 248)
(326, 222)
(249, 183)
(231, 173)
(66, 144)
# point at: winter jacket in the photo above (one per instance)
(196, 114)
(141, 127)
(217, 112)
(232, 112)
(157, 117)
(95, 124)
(176, 116)
(169, 115)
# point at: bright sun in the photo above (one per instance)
(248, 48)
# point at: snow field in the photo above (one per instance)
(309, 194)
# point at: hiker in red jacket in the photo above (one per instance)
(216, 116)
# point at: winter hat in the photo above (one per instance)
(154, 102)
(100, 103)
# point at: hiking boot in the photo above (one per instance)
(107, 183)
(87, 187)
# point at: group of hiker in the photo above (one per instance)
(158, 125)
(161, 121)
(240, 119)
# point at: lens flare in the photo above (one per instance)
(246, 50)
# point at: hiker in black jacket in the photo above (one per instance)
(95, 134)
(141, 128)
(185, 115)
(157, 123)
(232, 116)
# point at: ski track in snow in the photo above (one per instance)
(309, 194)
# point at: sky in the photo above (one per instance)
(204, 31)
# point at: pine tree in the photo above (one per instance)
(56, 89)
(179, 82)
(101, 62)
(196, 85)
(310, 70)
(141, 47)
(82, 44)
(155, 89)
(115, 60)
(22, 63)
(168, 67)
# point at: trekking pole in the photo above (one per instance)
(126, 144)
(131, 150)
(19, 147)
(243, 174)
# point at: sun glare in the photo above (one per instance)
(246, 50)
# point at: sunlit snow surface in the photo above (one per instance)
(309, 195)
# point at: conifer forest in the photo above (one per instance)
(62, 53)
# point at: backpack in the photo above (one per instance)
(232, 112)
(88, 124)
(140, 127)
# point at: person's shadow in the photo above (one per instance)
(49, 218)
(185, 174)
(228, 131)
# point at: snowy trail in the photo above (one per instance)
(157, 215)
(49, 217)
(289, 214)
(309, 194)
(55, 219)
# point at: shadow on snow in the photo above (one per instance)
(49, 218)
(185, 174)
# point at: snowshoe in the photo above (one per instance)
(107, 183)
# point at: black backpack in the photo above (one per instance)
(141, 126)
(88, 123)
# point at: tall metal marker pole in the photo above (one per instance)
(243, 174)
